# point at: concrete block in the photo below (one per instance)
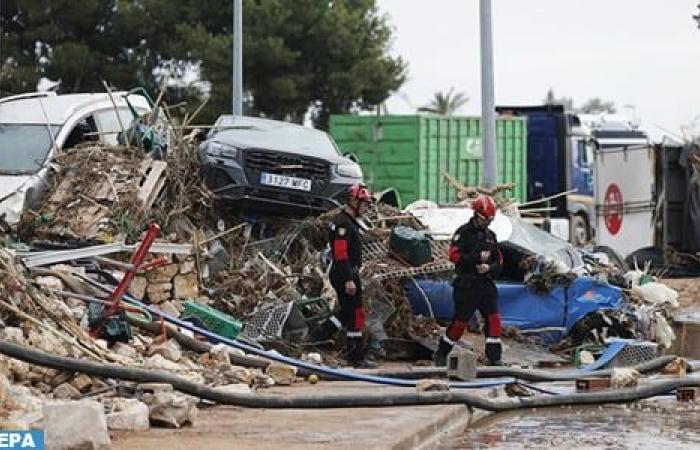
(70, 425)
(283, 374)
(65, 391)
(185, 287)
(128, 414)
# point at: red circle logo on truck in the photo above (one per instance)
(612, 209)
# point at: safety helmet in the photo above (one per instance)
(485, 206)
(360, 192)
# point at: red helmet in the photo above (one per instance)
(360, 192)
(485, 206)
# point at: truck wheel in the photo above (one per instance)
(578, 230)
(614, 257)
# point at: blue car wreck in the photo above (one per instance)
(576, 305)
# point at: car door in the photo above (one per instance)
(110, 122)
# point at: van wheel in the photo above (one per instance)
(579, 233)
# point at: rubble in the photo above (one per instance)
(170, 409)
(432, 385)
(282, 374)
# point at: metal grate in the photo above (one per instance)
(635, 353)
(268, 323)
(258, 161)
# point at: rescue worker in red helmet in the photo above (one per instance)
(346, 251)
(478, 260)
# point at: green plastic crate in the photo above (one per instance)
(213, 319)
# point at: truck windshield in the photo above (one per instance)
(24, 147)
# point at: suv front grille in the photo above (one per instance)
(258, 161)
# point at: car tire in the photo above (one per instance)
(579, 232)
(595, 327)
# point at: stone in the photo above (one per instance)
(187, 267)
(169, 308)
(5, 388)
(47, 342)
(163, 274)
(50, 283)
(19, 369)
(154, 387)
(313, 358)
(170, 409)
(21, 400)
(128, 414)
(219, 353)
(159, 293)
(240, 374)
(123, 349)
(185, 287)
(13, 334)
(262, 381)
(586, 357)
(137, 287)
(82, 382)
(283, 374)
(169, 349)
(70, 425)
(624, 377)
(237, 388)
(65, 391)
(28, 421)
(432, 385)
(160, 363)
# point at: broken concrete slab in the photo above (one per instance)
(70, 425)
(128, 414)
(170, 409)
(432, 385)
(65, 391)
(283, 374)
(169, 349)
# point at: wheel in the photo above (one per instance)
(614, 257)
(595, 328)
(578, 230)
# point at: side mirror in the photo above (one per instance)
(351, 157)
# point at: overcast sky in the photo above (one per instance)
(644, 53)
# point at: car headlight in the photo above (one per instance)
(219, 150)
(349, 170)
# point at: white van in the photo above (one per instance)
(35, 126)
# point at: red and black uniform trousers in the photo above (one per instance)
(470, 296)
(346, 250)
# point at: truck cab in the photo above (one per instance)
(560, 159)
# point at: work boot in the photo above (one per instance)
(357, 357)
(493, 352)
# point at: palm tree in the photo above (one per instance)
(446, 104)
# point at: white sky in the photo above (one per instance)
(644, 53)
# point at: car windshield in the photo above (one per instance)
(24, 147)
(277, 136)
(530, 238)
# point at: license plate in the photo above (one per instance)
(271, 179)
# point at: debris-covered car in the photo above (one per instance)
(34, 127)
(267, 165)
(541, 289)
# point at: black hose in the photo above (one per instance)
(384, 399)
(525, 374)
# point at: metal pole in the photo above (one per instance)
(488, 113)
(237, 91)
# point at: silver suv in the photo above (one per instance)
(263, 164)
(35, 126)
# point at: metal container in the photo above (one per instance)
(411, 153)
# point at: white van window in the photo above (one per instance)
(24, 147)
(108, 124)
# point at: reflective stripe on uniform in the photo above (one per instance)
(354, 334)
(334, 320)
(493, 340)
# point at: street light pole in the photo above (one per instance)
(488, 106)
(237, 88)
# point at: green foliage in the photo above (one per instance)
(551, 99)
(329, 55)
(446, 104)
(592, 105)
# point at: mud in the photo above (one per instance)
(648, 425)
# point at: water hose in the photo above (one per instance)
(526, 374)
(314, 368)
(33, 356)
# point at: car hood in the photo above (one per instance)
(10, 184)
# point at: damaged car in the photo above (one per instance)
(543, 289)
(268, 165)
(35, 127)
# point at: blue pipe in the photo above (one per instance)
(338, 373)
